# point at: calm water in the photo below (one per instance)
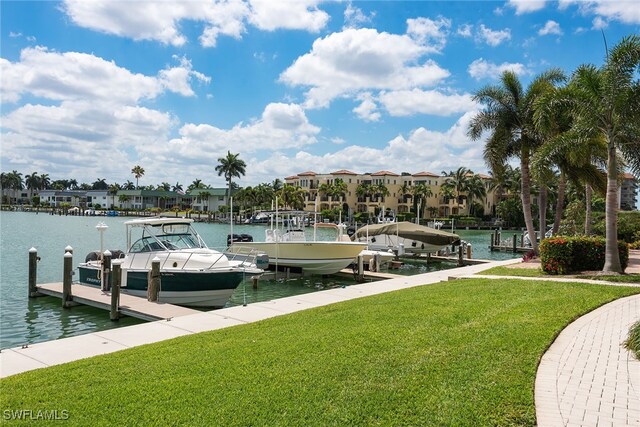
(24, 320)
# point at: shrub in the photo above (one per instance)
(633, 343)
(555, 255)
(561, 255)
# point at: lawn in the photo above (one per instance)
(456, 353)
(536, 272)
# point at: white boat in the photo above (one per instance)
(191, 273)
(404, 237)
(289, 248)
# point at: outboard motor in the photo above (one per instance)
(238, 238)
(351, 231)
(93, 256)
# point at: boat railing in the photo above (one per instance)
(246, 255)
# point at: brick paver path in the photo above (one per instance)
(587, 377)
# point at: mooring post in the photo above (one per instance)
(491, 244)
(116, 278)
(360, 276)
(515, 241)
(460, 258)
(377, 260)
(469, 251)
(67, 273)
(68, 249)
(106, 270)
(153, 286)
(33, 273)
(254, 281)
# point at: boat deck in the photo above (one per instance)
(129, 305)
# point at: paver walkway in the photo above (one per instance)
(587, 377)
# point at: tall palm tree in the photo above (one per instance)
(177, 188)
(45, 181)
(100, 184)
(508, 116)
(113, 191)
(605, 103)
(137, 172)
(231, 166)
(475, 190)
(32, 182)
(421, 193)
(457, 181)
(196, 184)
(165, 186)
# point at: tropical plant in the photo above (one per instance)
(508, 116)
(421, 193)
(605, 103)
(100, 184)
(138, 172)
(457, 181)
(231, 166)
(475, 189)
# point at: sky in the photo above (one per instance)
(90, 89)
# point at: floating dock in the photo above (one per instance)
(130, 305)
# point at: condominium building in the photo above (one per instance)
(372, 192)
(628, 192)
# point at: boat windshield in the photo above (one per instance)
(167, 237)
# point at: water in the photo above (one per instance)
(24, 320)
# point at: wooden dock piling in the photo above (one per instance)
(67, 297)
(153, 287)
(116, 278)
(106, 270)
(33, 273)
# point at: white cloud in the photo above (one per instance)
(160, 20)
(417, 101)
(482, 69)
(599, 23)
(413, 153)
(464, 30)
(625, 11)
(526, 6)
(357, 60)
(491, 37)
(78, 76)
(294, 15)
(428, 32)
(367, 110)
(551, 27)
(355, 18)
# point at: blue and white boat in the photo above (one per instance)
(191, 273)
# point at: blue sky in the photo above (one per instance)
(92, 88)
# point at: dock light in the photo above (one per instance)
(101, 227)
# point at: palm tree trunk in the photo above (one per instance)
(611, 256)
(562, 185)
(542, 204)
(587, 216)
(525, 195)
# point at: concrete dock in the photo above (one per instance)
(129, 305)
(40, 355)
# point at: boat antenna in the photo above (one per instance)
(231, 217)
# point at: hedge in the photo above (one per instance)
(562, 255)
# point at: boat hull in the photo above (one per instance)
(312, 257)
(196, 289)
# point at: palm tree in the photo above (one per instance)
(177, 188)
(508, 116)
(292, 196)
(196, 184)
(137, 172)
(605, 104)
(276, 184)
(231, 166)
(421, 193)
(45, 181)
(475, 190)
(32, 181)
(113, 190)
(457, 181)
(100, 184)
(165, 186)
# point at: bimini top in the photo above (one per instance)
(156, 221)
(409, 230)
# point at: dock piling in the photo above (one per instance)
(460, 257)
(360, 276)
(106, 270)
(33, 273)
(116, 278)
(515, 243)
(153, 286)
(67, 297)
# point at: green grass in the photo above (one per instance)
(519, 272)
(536, 272)
(459, 353)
